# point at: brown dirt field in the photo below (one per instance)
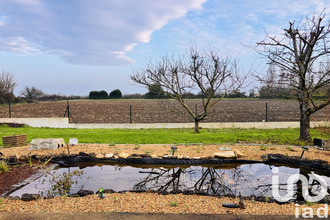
(157, 111)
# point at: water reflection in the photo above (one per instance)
(200, 180)
(249, 179)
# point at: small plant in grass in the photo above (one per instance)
(30, 161)
(3, 167)
(148, 152)
(173, 204)
(309, 203)
(290, 148)
(263, 147)
(112, 144)
(1, 205)
(136, 147)
(115, 199)
(266, 198)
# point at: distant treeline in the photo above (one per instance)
(31, 94)
(264, 92)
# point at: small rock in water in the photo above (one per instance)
(230, 205)
(83, 192)
(29, 197)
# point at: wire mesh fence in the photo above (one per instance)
(163, 111)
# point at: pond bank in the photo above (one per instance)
(151, 202)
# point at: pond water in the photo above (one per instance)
(249, 179)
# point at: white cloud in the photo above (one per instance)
(19, 45)
(86, 31)
(231, 25)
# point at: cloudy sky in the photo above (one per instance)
(72, 47)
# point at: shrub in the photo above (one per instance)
(94, 94)
(61, 184)
(103, 94)
(115, 94)
(98, 95)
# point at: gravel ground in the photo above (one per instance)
(251, 152)
(152, 202)
(149, 203)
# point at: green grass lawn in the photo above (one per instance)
(165, 136)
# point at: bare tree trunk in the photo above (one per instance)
(196, 126)
(305, 134)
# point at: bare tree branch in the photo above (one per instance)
(205, 72)
(303, 48)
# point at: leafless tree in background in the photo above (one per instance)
(32, 93)
(7, 86)
(204, 72)
(303, 56)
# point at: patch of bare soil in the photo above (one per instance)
(15, 175)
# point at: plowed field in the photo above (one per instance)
(166, 111)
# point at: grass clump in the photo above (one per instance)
(309, 203)
(3, 167)
(136, 147)
(290, 148)
(263, 147)
(173, 204)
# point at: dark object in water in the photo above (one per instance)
(151, 172)
(318, 142)
(241, 202)
(230, 205)
(240, 205)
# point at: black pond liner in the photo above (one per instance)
(318, 166)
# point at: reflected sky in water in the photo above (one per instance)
(249, 179)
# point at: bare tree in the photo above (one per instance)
(7, 86)
(303, 48)
(32, 93)
(206, 73)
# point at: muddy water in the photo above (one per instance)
(249, 179)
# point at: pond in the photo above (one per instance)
(224, 180)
